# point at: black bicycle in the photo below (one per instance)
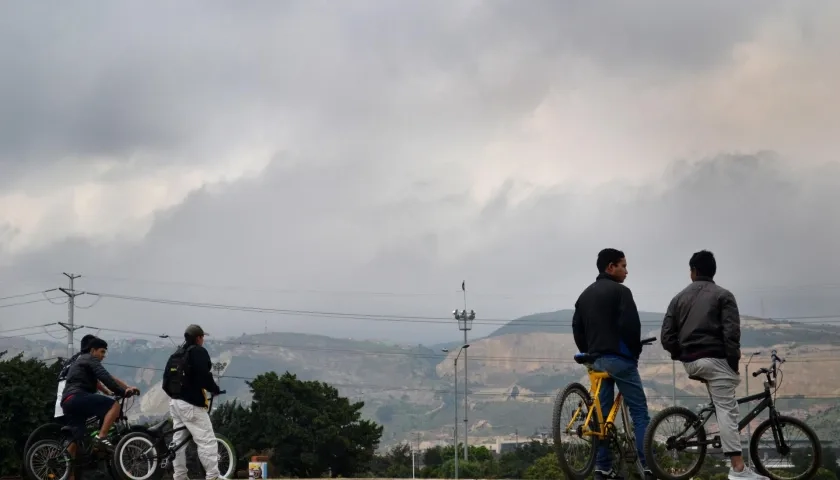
(144, 455)
(46, 456)
(691, 438)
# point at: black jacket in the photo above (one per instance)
(198, 378)
(703, 321)
(606, 320)
(84, 375)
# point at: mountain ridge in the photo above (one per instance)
(513, 373)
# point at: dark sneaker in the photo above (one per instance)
(103, 444)
(649, 475)
(610, 474)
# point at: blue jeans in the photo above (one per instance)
(625, 374)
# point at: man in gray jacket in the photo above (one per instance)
(702, 329)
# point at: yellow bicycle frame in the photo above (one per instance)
(595, 380)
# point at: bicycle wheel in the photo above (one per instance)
(668, 455)
(50, 430)
(570, 410)
(47, 460)
(809, 459)
(227, 457)
(137, 457)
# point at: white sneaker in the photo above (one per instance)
(746, 474)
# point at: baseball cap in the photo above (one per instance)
(194, 331)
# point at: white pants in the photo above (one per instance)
(722, 381)
(198, 424)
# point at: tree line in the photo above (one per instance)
(305, 428)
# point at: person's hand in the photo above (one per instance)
(132, 391)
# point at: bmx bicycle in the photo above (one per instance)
(48, 458)
(690, 437)
(587, 427)
(144, 455)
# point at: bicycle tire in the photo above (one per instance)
(27, 458)
(816, 461)
(154, 451)
(558, 427)
(230, 472)
(652, 463)
(51, 430)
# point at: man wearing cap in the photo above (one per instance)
(189, 406)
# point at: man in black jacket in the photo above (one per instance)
(702, 329)
(606, 324)
(189, 407)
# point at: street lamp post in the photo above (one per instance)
(465, 320)
(463, 348)
(747, 386)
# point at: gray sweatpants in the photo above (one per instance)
(722, 382)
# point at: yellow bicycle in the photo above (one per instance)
(583, 429)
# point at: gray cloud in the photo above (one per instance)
(275, 242)
(297, 146)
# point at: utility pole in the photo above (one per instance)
(747, 386)
(71, 307)
(465, 321)
(674, 379)
(455, 376)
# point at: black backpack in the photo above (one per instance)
(176, 371)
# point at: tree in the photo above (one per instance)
(545, 467)
(233, 420)
(27, 400)
(310, 429)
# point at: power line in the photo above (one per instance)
(768, 288)
(21, 295)
(391, 318)
(29, 328)
(46, 299)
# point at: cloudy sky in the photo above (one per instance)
(365, 157)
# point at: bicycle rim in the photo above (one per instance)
(137, 458)
(575, 454)
(801, 462)
(227, 457)
(48, 460)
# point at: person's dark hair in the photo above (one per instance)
(607, 257)
(703, 263)
(97, 342)
(86, 342)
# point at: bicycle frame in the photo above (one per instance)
(596, 378)
(767, 403)
(160, 434)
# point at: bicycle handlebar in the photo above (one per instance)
(648, 341)
(775, 361)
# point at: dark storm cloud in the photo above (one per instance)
(109, 80)
(765, 222)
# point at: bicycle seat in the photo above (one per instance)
(67, 429)
(697, 379)
(585, 358)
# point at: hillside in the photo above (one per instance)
(514, 373)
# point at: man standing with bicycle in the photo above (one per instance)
(702, 329)
(186, 378)
(606, 325)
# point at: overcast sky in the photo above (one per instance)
(368, 156)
